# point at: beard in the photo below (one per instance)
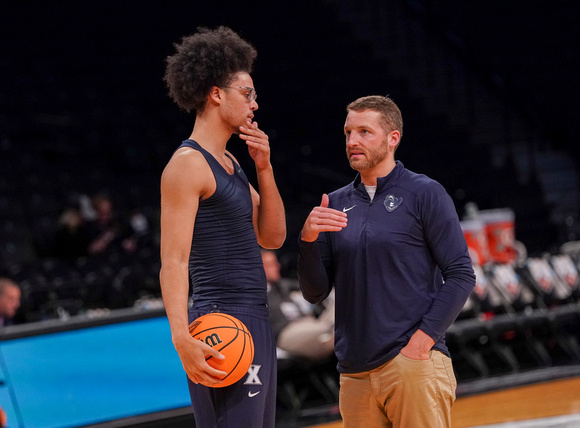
(371, 158)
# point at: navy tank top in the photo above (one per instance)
(225, 263)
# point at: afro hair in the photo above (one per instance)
(205, 59)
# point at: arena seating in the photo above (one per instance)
(107, 125)
(531, 326)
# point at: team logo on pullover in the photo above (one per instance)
(392, 203)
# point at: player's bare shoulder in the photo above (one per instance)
(188, 168)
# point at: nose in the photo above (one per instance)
(254, 105)
(351, 140)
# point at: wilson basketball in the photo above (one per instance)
(231, 338)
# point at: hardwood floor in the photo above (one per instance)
(541, 400)
(559, 397)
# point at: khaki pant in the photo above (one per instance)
(403, 393)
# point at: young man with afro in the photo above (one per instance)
(213, 223)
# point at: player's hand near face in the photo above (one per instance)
(258, 144)
(323, 219)
(193, 353)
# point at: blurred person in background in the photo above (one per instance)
(70, 240)
(107, 230)
(301, 329)
(103, 230)
(9, 301)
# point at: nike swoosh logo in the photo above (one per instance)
(348, 209)
(252, 394)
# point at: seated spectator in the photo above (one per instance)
(9, 301)
(299, 332)
(102, 230)
(70, 240)
(106, 231)
(139, 232)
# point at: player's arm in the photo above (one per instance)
(184, 181)
(269, 216)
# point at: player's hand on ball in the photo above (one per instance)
(225, 333)
(193, 355)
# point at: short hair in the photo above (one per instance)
(392, 119)
(205, 59)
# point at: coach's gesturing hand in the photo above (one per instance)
(323, 219)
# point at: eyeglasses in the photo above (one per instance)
(251, 95)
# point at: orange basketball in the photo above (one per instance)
(231, 338)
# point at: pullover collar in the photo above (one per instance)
(382, 182)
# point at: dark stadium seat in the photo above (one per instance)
(513, 290)
(565, 325)
(304, 385)
(466, 340)
(540, 277)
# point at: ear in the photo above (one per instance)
(394, 138)
(215, 95)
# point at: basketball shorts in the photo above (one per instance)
(250, 402)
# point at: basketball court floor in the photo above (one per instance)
(554, 404)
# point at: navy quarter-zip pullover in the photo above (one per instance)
(401, 264)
